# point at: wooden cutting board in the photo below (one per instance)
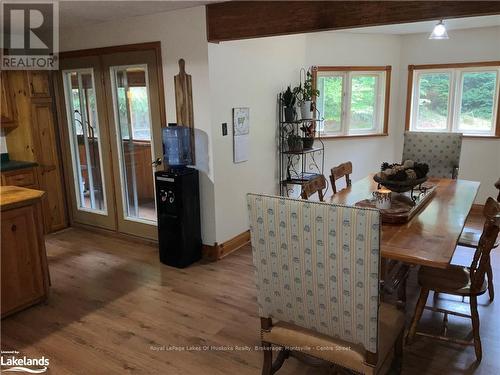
(184, 96)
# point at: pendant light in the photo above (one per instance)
(439, 32)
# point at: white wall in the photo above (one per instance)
(182, 34)
(480, 158)
(251, 73)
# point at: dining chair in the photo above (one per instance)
(314, 185)
(470, 238)
(460, 281)
(317, 282)
(440, 150)
(342, 170)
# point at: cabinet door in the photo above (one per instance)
(38, 83)
(50, 175)
(8, 111)
(22, 276)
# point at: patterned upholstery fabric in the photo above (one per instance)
(440, 150)
(317, 266)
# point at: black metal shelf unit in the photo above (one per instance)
(297, 166)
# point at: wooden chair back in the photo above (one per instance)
(303, 274)
(342, 170)
(481, 260)
(315, 185)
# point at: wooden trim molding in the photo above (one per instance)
(233, 20)
(478, 64)
(353, 68)
(409, 96)
(455, 65)
(352, 136)
(387, 103)
(219, 251)
(108, 50)
(387, 69)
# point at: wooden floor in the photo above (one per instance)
(114, 309)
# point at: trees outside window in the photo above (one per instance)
(463, 98)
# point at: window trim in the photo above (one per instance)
(384, 128)
(410, 93)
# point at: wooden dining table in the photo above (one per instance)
(431, 236)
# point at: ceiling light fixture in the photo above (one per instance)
(439, 32)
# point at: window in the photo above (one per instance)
(456, 98)
(353, 101)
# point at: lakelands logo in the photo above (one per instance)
(30, 35)
(11, 361)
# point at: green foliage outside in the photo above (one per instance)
(362, 106)
(478, 90)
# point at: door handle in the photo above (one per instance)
(156, 162)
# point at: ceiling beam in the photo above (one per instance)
(235, 20)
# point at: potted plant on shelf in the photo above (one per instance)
(294, 142)
(309, 129)
(288, 99)
(307, 93)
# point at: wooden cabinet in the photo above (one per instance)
(49, 165)
(38, 84)
(20, 177)
(7, 107)
(36, 140)
(25, 277)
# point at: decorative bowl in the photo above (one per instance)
(399, 186)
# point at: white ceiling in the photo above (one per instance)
(427, 26)
(80, 13)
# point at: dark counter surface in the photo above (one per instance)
(11, 165)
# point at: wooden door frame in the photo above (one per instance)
(61, 106)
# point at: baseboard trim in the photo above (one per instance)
(219, 251)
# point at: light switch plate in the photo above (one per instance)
(224, 128)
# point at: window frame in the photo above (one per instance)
(457, 71)
(382, 103)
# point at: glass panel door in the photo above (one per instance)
(134, 135)
(113, 112)
(85, 140)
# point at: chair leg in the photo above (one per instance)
(268, 359)
(475, 328)
(398, 353)
(491, 291)
(419, 309)
(402, 294)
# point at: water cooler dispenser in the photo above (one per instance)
(178, 207)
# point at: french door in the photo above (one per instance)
(112, 138)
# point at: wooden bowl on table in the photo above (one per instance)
(399, 186)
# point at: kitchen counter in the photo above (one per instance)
(15, 196)
(10, 165)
